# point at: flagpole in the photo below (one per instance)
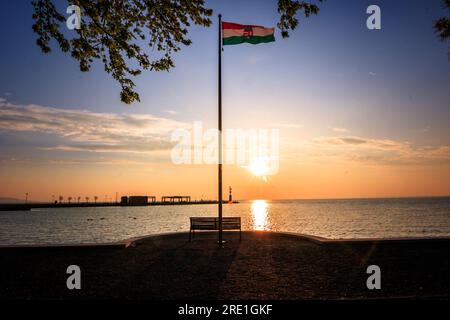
(220, 132)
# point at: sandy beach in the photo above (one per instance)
(263, 265)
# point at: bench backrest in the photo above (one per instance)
(212, 223)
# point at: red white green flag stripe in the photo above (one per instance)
(234, 33)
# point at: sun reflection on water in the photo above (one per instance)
(260, 211)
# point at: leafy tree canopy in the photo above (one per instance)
(129, 36)
(442, 26)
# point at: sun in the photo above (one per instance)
(259, 167)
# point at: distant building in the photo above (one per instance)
(137, 200)
(175, 199)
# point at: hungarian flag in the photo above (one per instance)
(234, 33)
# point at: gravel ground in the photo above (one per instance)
(263, 265)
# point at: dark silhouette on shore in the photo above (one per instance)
(125, 201)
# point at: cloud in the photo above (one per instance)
(91, 131)
(172, 112)
(286, 125)
(382, 144)
(131, 146)
(15, 160)
(341, 130)
(114, 162)
(372, 73)
(381, 151)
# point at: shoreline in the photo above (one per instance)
(315, 239)
(312, 238)
(264, 265)
(29, 206)
(36, 205)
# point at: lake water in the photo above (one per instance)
(336, 219)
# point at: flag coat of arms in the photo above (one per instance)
(234, 33)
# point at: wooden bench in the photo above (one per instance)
(212, 223)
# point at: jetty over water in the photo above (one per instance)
(176, 199)
(151, 201)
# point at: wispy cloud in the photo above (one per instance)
(381, 151)
(341, 130)
(89, 131)
(382, 144)
(172, 112)
(285, 125)
(114, 162)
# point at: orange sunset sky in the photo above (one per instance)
(360, 113)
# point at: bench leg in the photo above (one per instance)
(190, 231)
(193, 233)
(240, 235)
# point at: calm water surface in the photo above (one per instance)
(369, 218)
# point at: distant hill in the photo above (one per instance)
(14, 200)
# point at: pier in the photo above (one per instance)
(175, 199)
(165, 202)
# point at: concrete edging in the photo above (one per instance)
(134, 241)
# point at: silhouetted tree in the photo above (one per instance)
(95, 199)
(116, 31)
(70, 199)
(442, 26)
(61, 198)
(87, 199)
(78, 200)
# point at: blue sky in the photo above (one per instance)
(331, 73)
(328, 57)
